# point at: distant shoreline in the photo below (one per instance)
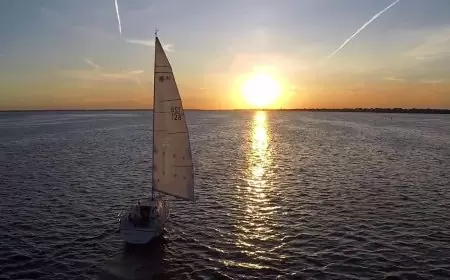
(344, 110)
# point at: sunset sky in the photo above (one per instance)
(71, 55)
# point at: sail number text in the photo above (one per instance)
(176, 113)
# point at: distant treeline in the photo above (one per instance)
(370, 110)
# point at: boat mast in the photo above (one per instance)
(153, 111)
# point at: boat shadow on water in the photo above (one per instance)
(136, 262)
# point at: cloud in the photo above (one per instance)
(91, 63)
(431, 81)
(362, 28)
(150, 43)
(99, 75)
(395, 79)
(95, 76)
(411, 78)
(136, 72)
(435, 44)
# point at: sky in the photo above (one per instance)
(324, 53)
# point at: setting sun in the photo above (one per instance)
(261, 90)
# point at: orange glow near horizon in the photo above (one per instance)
(249, 89)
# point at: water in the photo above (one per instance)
(279, 194)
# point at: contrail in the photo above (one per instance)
(118, 17)
(362, 28)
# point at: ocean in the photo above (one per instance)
(279, 195)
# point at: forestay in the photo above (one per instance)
(172, 158)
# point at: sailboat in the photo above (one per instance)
(172, 165)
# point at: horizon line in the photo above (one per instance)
(317, 109)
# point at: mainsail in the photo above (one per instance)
(172, 158)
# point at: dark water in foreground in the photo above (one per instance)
(279, 194)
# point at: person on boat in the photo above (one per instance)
(130, 218)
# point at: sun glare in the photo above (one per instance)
(261, 90)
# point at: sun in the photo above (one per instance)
(261, 90)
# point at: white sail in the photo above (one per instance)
(172, 158)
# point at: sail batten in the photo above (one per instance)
(172, 158)
(168, 100)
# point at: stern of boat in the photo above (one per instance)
(136, 234)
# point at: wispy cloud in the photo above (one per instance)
(91, 63)
(99, 75)
(431, 81)
(118, 17)
(95, 76)
(377, 15)
(150, 43)
(131, 75)
(136, 72)
(394, 79)
(436, 44)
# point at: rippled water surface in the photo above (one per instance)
(279, 195)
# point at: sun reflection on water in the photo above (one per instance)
(259, 157)
(255, 226)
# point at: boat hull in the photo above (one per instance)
(139, 236)
(133, 233)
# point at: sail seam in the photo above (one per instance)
(179, 132)
(163, 72)
(170, 100)
(175, 195)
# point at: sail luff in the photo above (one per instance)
(153, 120)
